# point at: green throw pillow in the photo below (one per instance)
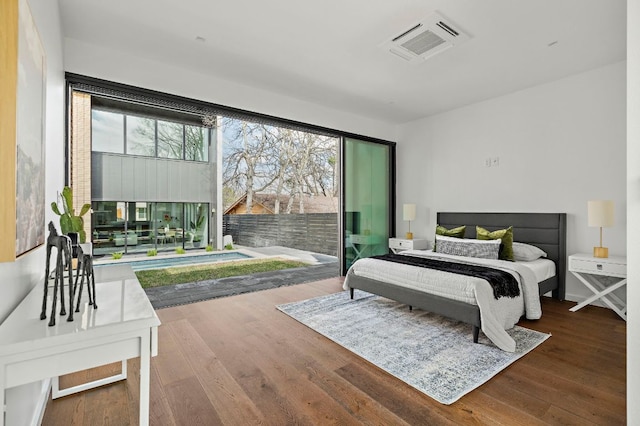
(453, 232)
(506, 235)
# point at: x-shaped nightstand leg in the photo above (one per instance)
(604, 295)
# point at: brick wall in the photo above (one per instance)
(80, 162)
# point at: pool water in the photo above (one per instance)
(167, 262)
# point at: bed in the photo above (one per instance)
(544, 230)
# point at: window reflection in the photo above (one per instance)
(170, 138)
(141, 136)
(196, 143)
(107, 131)
(147, 136)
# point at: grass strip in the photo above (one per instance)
(189, 274)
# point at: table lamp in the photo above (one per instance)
(600, 213)
(409, 214)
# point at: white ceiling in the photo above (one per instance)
(326, 51)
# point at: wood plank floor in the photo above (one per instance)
(239, 361)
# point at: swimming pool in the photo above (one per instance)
(167, 262)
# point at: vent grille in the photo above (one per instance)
(448, 29)
(431, 36)
(423, 42)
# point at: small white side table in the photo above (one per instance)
(587, 269)
(400, 244)
(360, 242)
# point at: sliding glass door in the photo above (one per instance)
(368, 199)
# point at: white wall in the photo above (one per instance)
(97, 61)
(633, 211)
(559, 145)
(19, 277)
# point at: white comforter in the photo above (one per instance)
(496, 315)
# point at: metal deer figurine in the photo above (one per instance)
(85, 267)
(63, 244)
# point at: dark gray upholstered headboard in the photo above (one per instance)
(545, 230)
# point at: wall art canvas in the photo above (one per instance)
(30, 148)
(30, 132)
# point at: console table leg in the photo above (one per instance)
(3, 403)
(145, 371)
(56, 392)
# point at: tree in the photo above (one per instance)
(229, 196)
(247, 157)
(260, 157)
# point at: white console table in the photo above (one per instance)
(124, 326)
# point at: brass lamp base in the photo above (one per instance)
(600, 252)
(409, 236)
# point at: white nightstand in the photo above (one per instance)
(360, 242)
(399, 244)
(588, 268)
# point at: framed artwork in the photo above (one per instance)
(23, 114)
(30, 177)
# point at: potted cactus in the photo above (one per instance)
(69, 221)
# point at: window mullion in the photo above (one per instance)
(155, 130)
(124, 125)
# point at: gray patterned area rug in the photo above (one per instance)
(429, 352)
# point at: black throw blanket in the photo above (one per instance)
(503, 283)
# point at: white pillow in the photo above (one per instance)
(526, 252)
(486, 249)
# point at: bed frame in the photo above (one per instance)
(547, 231)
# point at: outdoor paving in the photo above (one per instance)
(180, 294)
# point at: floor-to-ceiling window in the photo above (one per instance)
(197, 224)
(170, 219)
(153, 154)
(137, 227)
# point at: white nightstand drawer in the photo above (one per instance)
(404, 244)
(396, 243)
(598, 267)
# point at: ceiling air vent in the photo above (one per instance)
(429, 37)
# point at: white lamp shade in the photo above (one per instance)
(409, 212)
(600, 213)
